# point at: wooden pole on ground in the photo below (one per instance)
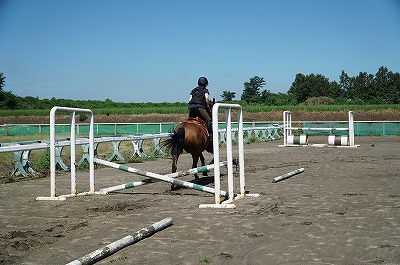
(288, 175)
(115, 246)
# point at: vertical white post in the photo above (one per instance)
(217, 184)
(73, 153)
(228, 133)
(287, 124)
(351, 129)
(91, 152)
(284, 129)
(53, 153)
(241, 153)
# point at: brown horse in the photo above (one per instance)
(191, 136)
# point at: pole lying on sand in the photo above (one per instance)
(165, 178)
(196, 170)
(110, 249)
(148, 181)
(288, 175)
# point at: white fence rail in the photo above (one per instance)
(22, 150)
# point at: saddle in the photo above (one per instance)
(201, 123)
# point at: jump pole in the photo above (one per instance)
(288, 175)
(115, 246)
(164, 178)
(148, 181)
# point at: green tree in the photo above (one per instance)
(228, 95)
(297, 88)
(313, 85)
(251, 91)
(345, 83)
(387, 86)
(7, 99)
(382, 88)
(2, 81)
(10, 101)
(2, 84)
(394, 83)
(362, 87)
(267, 97)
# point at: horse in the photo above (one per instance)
(193, 137)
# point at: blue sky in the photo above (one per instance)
(154, 51)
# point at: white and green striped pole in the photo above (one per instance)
(126, 186)
(164, 178)
(148, 181)
(196, 170)
(115, 246)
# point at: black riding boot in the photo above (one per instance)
(209, 128)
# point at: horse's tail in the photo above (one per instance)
(175, 144)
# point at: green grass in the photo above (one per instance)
(205, 259)
(181, 109)
(264, 108)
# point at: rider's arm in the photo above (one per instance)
(207, 99)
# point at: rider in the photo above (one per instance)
(199, 103)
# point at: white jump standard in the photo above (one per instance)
(72, 111)
(231, 196)
(289, 139)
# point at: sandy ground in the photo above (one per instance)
(344, 209)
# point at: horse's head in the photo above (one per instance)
(211, 103)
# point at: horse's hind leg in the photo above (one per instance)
(203, 163)
(174, 168)
(194, 164)
(174, 163)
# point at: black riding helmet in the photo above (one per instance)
(202, 81)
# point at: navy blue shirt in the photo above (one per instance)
(193, 106)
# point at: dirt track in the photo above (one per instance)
(344, 209)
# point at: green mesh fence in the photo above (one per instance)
(325, 125)
(377, 128)
(360, 128)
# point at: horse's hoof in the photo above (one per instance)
(196, 179)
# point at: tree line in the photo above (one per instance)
(316, 89)
(312, 89)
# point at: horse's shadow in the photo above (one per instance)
(204, 181)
